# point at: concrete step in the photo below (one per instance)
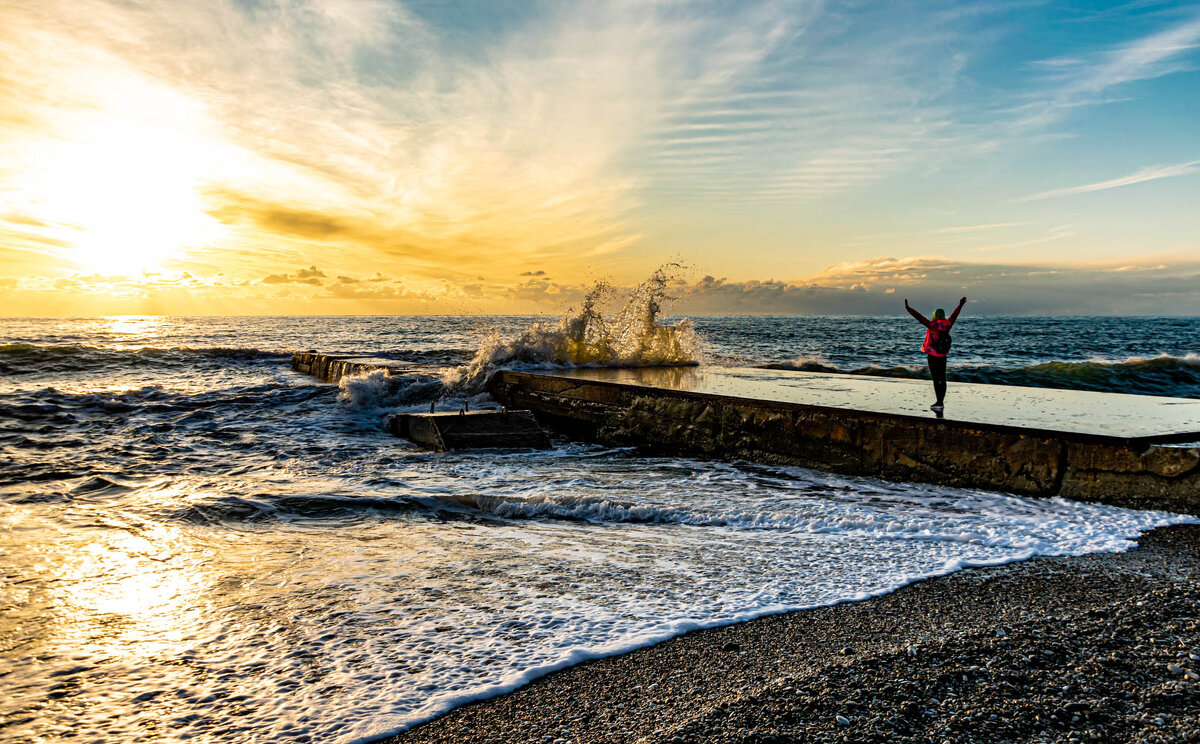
(471, 430)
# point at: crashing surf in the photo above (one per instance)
(635, 336)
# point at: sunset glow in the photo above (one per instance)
(424, 159)
(132, 195)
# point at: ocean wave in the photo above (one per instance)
(21, 359)
(633, 337)
(379, 390)
(249, 509)
(601, 511)
(432, 357)
(1161, 375)
(1039, 532)
(43, 405)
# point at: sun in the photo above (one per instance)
(128, 195)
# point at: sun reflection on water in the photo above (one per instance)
(132, 594)
(133, 331)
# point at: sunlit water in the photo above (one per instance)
(199, 543)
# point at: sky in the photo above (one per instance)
(216, 157)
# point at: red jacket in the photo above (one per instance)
(935, 328)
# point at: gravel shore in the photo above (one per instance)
(1094, 648)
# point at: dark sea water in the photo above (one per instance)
(198, 543)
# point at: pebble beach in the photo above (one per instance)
(1100, 647)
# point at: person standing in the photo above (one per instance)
(936, 347)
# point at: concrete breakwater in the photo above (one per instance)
(333, 367)
(1124, 450)
(1127, 450)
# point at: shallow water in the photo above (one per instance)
(199, 543)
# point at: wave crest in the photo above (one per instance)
(633, 337)
(379, 390)
(28, 359)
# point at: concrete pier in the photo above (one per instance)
(333, 367)
(1128, 450)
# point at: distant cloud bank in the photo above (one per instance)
(874, 286)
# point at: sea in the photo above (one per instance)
(199, 544)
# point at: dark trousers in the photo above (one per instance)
(937, 370)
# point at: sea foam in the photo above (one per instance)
(635, 336)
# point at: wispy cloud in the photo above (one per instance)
(833, 101)
(369, 124)
(1051, 235)
(1075, 81)
(1146, 58)
(978, 228)
(1151, 173)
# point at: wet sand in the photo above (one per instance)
(1093, 648)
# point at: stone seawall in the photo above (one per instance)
(1109, 469)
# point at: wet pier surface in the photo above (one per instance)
(1136, 419)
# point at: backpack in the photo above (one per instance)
(939, 341)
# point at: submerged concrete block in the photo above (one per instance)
(471, 430)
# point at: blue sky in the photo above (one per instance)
(424, 155)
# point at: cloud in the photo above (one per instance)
(878, 286)
(356, 292)
(533, 273)
(834, 99)
(978, 228)
(312, 275)
(1146, 58)
(372, 288)
(1085, 80)
(377, 125)
(873, 286)
(1150, 173)
(994, 288)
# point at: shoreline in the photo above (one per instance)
(1101, 647)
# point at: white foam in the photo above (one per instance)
(633, 337)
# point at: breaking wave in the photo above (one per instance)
(1042, 529)
(1162, 375)
(33, 359)
(379, 390)
(633, 337)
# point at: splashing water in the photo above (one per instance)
(633, 337)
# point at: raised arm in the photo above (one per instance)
(913, 312)
(954, 315)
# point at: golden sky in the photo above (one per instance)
(382, 156)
